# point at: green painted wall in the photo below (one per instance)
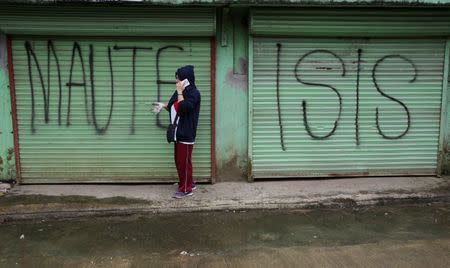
(231, 94)
(7, 166)
(446, 146)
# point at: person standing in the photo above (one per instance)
(183, 106)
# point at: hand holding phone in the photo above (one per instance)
(185, 83)
(182, 85)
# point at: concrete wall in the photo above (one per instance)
(7, 166)
(446, 147)
(231, 94)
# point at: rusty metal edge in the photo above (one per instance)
(12, 92)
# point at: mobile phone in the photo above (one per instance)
(186, 83)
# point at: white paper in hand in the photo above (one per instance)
(157, 107)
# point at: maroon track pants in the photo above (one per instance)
(183, 162)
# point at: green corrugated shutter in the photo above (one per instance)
(80, 152)
(385, 153)
(350, 22)
(107, 21)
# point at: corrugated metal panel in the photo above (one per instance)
(414, 3)
(295, 3)
(350, 22)
(306, 63)
(107, 21)
(78, 152)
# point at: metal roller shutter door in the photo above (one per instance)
(95, 21)
(408, 80)
(132, 148)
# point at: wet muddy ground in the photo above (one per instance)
(382, 236)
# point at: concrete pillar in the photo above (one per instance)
(7, 160)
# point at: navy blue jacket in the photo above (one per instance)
(189, 108)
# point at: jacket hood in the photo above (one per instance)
(186, 72)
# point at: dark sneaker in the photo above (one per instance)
(179, 195)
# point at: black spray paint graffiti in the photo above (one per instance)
(358, 71)
(374, 78)
(305, 118)
(70, 84)
(90, 110)
(278, 98)
(50, 47)
(159, 81)
(100, 130)
(133, 113)
(45, 91)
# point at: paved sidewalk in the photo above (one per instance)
(34, 201)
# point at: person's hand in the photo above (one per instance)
(157, 107)
(180, 87)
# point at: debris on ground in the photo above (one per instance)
(5, 187)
